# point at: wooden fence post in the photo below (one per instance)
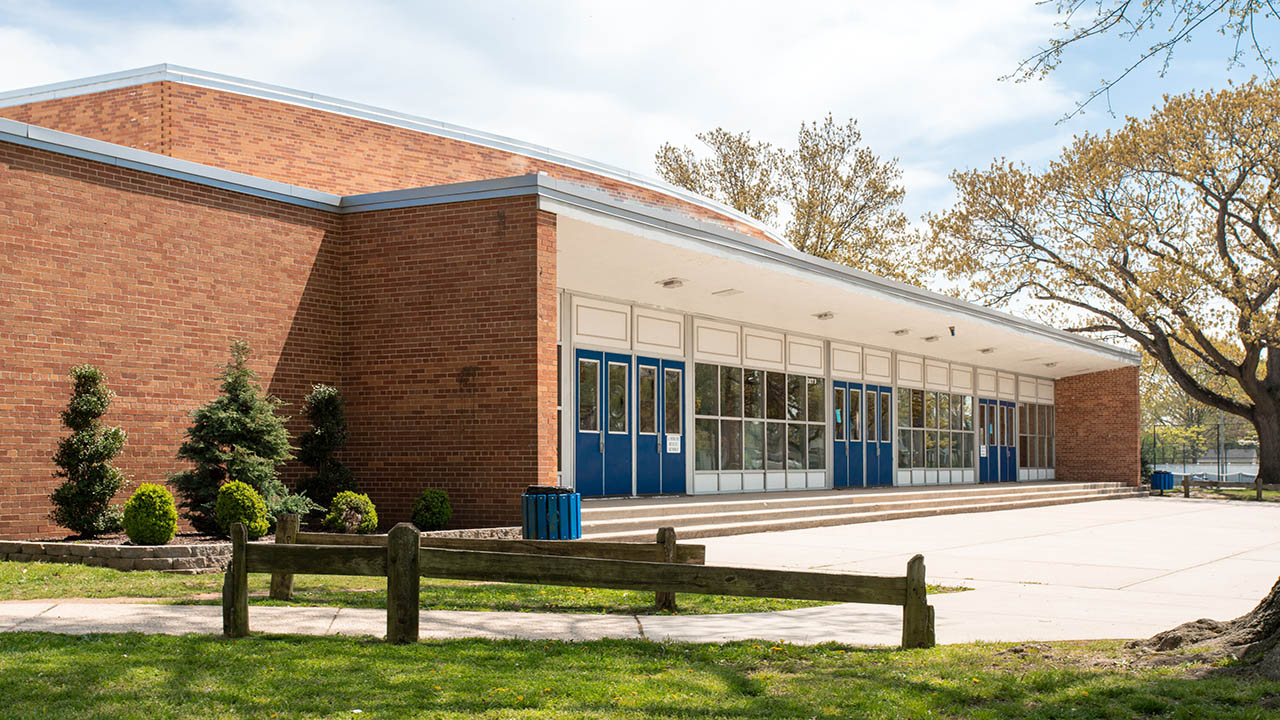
(663, 600)
(286, 534)
(917, 616)
(1186, 487)
(235, 587)
(402, 584)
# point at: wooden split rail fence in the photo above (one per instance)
(404, 556)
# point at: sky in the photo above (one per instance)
(613, 81)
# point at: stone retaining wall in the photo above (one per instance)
(186, 559)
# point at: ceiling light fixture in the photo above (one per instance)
(1051, 364)
(986, 351)
(825, 315)
(901, 332)
(671, 283)
(727, 292)
(932, 338)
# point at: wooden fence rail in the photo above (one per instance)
(403, 559)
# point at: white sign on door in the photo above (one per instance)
(982, 451)
(673, 443)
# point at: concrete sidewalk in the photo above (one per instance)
(1116, 569)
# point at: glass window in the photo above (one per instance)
(886, 417)
(618, 397)
(708, 444)
(776, 395)
(930, 449)
(917, 408)
(795, 446)
(855, 414)
(904, 445)
(647, 400)
(795, 397)
(817, 447)
(731, 391)
(838, 419)
(817, 400)
(672, 391)
(871, 416)
(775, 446)
(753, 445)
(944, 411)
(1022, 419)
(968, 412)
(917, 448)
(589, 395)
(753, 393)
(968, 451)
(706, 390)
(944, 450)
(730, 444)
(1024, 455)
(957, 450)
(931, 409)
(957, 412)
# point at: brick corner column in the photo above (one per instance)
(1098, 427)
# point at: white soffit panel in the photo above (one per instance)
(717, 342)
(1027, 391)
(962, 378)
(846, 361)
(763, 349)
(877, 365)
(1045, 391)
(659, 332)
(987, 383)
(910, 371)
(598, 322)
(936, 375)
(1008, 386)
(804, 355)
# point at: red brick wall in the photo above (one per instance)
(449, 340)
(132, 116)
(312, 148)
(150, 279)
(1097, 418)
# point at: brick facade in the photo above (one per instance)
(1097, 425)
(308, 147)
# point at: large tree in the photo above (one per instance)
(1161, 233)
(1166, 25)
(841, 201)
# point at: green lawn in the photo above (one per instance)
(1237, 494)
(28, 581)
(131, 676)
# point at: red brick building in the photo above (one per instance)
(497, 314)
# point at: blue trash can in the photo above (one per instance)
(551, 513)
(1162, 480)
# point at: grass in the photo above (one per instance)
(134, 676)
(1236, 494)
(30, 581)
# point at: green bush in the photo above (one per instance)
(239, 503)
(150, 516)
(351, 513)
(432, 511)
(82, 503)
(318, 446)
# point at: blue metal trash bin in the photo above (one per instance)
(551, 513)
(1162, 480)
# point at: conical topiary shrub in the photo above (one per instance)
(316, 449)
(82, 503)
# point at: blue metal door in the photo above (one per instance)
(871, 436)
(588, 467)
(1008, 441)
(884, 474)
(618, 418)
(988, 444)
(649, 465)
(840, 433)
(671, 427)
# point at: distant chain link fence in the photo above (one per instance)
(1224, 450)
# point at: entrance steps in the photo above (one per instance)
(637, 519)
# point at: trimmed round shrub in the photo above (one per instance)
(351, 513)
(150, 516)
(432, 511)
(239, 503)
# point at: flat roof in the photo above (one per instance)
(708, 234)
(253, 88)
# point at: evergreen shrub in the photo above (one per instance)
(150, 516)
(432, 510)
(239, 503)
(351, 513)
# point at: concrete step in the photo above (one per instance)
(696, 526)
(613, 509)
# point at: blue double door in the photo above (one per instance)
(997, 436)
(862, 434)
(630, 425)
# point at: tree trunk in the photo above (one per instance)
(1267, 422)
(1253, 638)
